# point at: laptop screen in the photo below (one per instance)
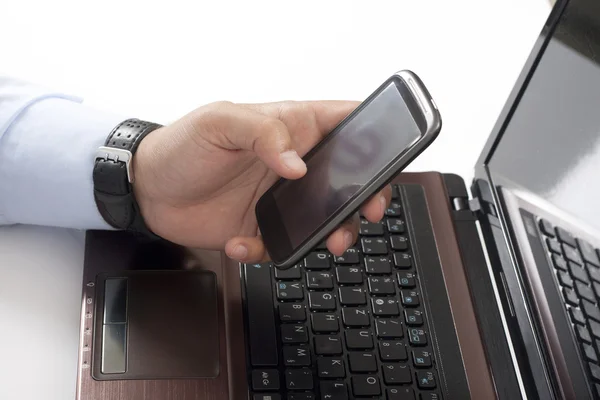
(551, 145)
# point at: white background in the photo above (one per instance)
(159, 60)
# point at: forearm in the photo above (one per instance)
(47, 147)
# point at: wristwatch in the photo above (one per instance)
(113, 176)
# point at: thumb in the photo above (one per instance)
(235, 127)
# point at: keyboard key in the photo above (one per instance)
(595, 370)
(366, 385)
(396, 374)
(323, 301)
(381, 285)
(262, 332)
(395, 192)
(355, 317)
(400, 393)
(409, 298)
(348, 275)
(591, 310)
(395, 225)
(572, 254)
(359, 339)
(293, 334)
(594, 328)
(288, 274)
(594, 273)
(331, 367)
(299, 379)
(324, 323)
(289, 291)
(429, 396)
(421, 358)
(317, 260)
(565, 237)
(393, 210)
(385, 307)
(378, 265)
(402, 260)
(578, 273)
(389, 328)
(564, 279)
(328, 345)
(374, 246)
(559, 262)
(352, 296)
(295, 356)
(570, 296)
(370, 228)
(300, 396)
(334, 391)
(362, 362)
(590, 255)
(399, 243)
(596, 288)
(589, 352)
(292, 312)
(413, 317)
(319, 280)
(406, 280)
(265, 379)
(553, 246)
(583, 334)
(350, 256)
(426, 380)
(392, 350)
(576, 316)
(417, 337)
(585, 291)
(546, 228)
(273, 396)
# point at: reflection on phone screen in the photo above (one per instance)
(352, 157)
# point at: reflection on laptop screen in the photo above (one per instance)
(551, 146)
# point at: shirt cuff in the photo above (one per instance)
(46, 163)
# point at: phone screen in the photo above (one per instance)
(357, 151)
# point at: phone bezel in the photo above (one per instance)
(428, 119)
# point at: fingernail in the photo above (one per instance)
(292, 160)
(348, 239)
(239, 252)
(383, 203)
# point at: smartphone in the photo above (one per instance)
(362, 154)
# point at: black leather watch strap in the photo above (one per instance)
(113, 176)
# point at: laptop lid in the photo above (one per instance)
(545, 146)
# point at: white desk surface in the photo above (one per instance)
(177, 55)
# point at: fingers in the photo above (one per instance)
(239, 128)
(344, 237)
(374, 208)
(307, 121)
(246, 249)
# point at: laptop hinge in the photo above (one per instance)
(475, 205)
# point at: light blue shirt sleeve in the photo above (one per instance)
(47, 145)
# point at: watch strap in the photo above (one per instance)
(113, 176)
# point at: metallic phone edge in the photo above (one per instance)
(433, 127)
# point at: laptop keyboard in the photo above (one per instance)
(337, 328)
(577, 267)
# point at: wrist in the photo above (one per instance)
(144, 178)
(114, 176)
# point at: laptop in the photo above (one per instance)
(480, 290)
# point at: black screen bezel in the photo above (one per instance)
(273, 231)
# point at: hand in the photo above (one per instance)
(197, 180)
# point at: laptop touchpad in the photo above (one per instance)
(156, 325)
